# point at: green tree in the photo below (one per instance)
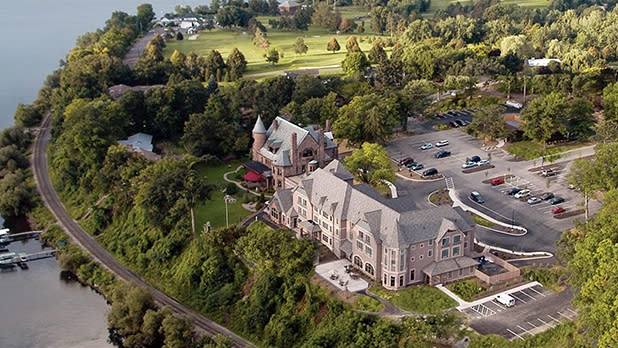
(178, 59)
(377, 54)
(355, 63)
(126, 316)
(145, 15)
(323, 17)
(347, 25)
(580, 118)
(215, 66)
(299, 46)
(178, 331)
(333, 45)
(272, 56)
(17, 194)
(367, 118)
(237, 64)
(27, 115)
(585, 176)
(370, 164)
(610, 101)
(352, 45)
(488, 123)
(543, 117)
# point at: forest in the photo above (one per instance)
(142, 211)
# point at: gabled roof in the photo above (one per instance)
(339, 170)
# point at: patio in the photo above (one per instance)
(342, 275)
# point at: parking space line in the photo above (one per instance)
(526, 331)
(523, 292)
(537, 292)
(517, 298)
(572, 311)
(564, 315)
(544, 322)
(554, 319)
(516, 335)
(533, 326)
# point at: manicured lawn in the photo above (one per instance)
(420, 299)
(442, 4)
(531, 150)
(315, 38)
(213, 210)
(481, 221)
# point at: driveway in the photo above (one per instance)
(543, 229)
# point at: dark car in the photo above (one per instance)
(547, 196)
(453, 124)
(430, 172)
(442, 154)
(475, 196)
(411, 164)
(474, 159)
(556, 200)
(460, 122)
(513, 191)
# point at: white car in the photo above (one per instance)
(426, 146)
(468, 165)
(442, 143)
(534, 200)
(522, 194)
(483, 162)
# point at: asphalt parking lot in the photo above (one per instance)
(543, 229)
(536, 309)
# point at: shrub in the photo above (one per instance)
(466, 289)
(231, 189)
(366, 303)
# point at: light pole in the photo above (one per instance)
(228, 199)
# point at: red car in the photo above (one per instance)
(558, 210)
(406, 161)
(497, 181)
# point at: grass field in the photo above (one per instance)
(442, 4)
(226, 40)
(213, 210)
(419, 299)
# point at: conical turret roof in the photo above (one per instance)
(259, 126)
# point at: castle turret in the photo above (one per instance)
(259, 137)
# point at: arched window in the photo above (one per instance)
(358, 262)
(369, 268)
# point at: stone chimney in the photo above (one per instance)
(275, 125)
(321, 148)
(293, 150)
(327, 127)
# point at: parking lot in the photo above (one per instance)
(543, 229)
(536, 309)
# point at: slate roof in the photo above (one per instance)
(283, 201)
(281, 137)
(256, 166)
(138, 141)
(449, 265)
(390, 220)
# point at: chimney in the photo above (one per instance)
(275, 125)
(294, 150)
(321, 148)
(327, 127)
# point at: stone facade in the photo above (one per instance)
(387, 239)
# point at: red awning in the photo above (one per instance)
(253, 176)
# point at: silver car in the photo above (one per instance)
(426, 146)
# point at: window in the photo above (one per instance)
(457, 239)
(360, 235)
(274, 214)
(429, 253)
(324, 214)
(402, 260)
(444, 253)
(430, 242)
(456, 251)
(325, 225)
(367, 239)
(358, 262)
(368, 250)
(420, 257)
(385, 259)
(392, 281)
(369, 268)
(465, 245)
(412, 275)
(445, 241)
(307, 153)
(422, 245)
(412, 259)
(400, 280)
(336, 231)
(359, 245)
(385, 279)
(413, 247)
(325, 238)
(393, 260)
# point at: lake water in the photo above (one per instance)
(37, 307)
(36, 34)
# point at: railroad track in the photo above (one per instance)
(51, 200)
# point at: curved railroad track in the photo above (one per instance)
(51, 200)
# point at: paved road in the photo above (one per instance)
(51, 200)
(138, 48)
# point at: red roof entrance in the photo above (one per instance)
(253, 176)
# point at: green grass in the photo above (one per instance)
(443, 4)
(315, 38)
(481, 221)
(531, 150)
(419, 299)
(553, 278)
(366, 303)
(466, 289)
(213, 210)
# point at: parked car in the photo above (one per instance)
(482, 163)
(460, 122)
(547, 196)
(497, 181)
(417, 166)
(558, 210)
(475, 196)
(556, 200)
(406, 160)
(468, 165)
(443, 153)
(523, 193)
(426, 146)
(442, 143)
(534, 200)
(430, 172)
(440, 115)
(548, 172)
(474, 159)
(512, 191)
